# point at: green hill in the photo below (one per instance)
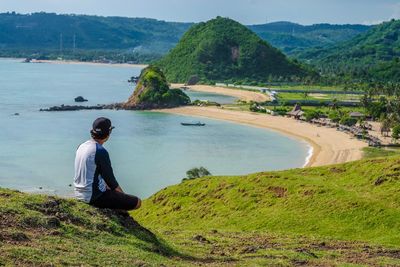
(370, 55)
(293, 38)
(152, 91)
(137, 39)
(224, 50)
(341, 215)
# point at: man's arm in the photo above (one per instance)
(106, 171)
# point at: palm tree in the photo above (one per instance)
(385, 127)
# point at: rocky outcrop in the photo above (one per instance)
(80, 99)
(152, 92)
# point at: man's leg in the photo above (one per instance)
(117, 200)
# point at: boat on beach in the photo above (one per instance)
(192, 124)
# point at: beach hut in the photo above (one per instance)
(296, 112)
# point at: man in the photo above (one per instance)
(95, 182)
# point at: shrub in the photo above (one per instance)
(348, 121)
(197, 173)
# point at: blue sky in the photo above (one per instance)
(245, 11)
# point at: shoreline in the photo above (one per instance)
(237, 93)
(327, 145)
(75, 62)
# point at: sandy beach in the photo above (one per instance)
(90, 63)
(240, 94)
(329, 145)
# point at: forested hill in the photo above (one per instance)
(57, 32)
(41, 32)
(225, 50)
(293, 38)
(372, 54)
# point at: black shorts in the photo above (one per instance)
(115, 200)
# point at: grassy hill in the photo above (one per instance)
(373, 54)
(224, 50)
(342, 215)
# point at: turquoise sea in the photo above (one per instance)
(148, 150)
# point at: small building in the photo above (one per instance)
(296, 112)
(356, 115)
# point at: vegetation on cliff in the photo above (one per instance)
(224, 50)
(152, 91)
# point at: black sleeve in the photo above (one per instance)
(104, 164)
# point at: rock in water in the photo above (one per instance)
(80, 99)
(152, 92)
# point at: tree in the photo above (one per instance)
(312, 114)
(348, 121)
(197, 173)
(396, 132)
(335, 104)
(385, 127)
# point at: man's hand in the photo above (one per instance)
(119, 189)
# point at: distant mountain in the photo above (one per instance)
(224, 50)
(373, 54)
(46, 31)
(293, 38)
(96, 37)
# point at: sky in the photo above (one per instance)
(245, 11)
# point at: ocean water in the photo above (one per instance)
(149, 150)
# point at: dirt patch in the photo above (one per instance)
(201, 239)
(380, 181)
(56, 209)
(278, 191)
(16, 237)
(309, 192)
(336, 170)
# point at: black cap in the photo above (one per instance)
(102, 127)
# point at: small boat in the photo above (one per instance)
(192, 124)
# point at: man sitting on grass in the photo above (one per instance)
(95, 182)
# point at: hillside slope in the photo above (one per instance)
(340, 215)
(292, 38)
(369, 55)
(39, 230)
(357, 202)
(224, 50)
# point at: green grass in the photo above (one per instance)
(341, 215)
(320, 97)
(340, 202)
(373, 152)
(308, 87)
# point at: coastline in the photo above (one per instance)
(75, 62)
(240, 94)
(329, 146)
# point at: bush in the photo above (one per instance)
(348, 121)
(312, 114)
(197, 173)
(396, 132)
(334, 116)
